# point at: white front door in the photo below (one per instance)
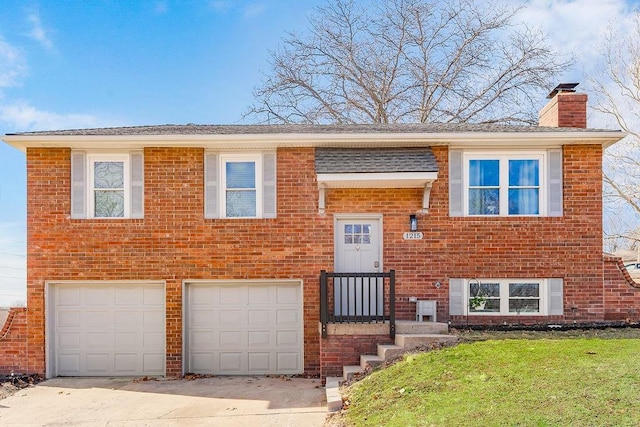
(358, 250)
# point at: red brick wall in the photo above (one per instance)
(621, 292)
(337, 351)
(174, 242)
(13, 343)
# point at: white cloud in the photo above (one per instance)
(253, 10)
(161, 7)
(12, 65)
(575, 27)
(24, 117)
(38, 32)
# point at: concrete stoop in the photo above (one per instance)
(409, 337)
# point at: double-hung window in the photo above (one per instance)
(504, 185)
(240, 185)
(107, 185)
(108, 193)
(506, 297)
(499, 183)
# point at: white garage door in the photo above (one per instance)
(244, 328)
(108, 329)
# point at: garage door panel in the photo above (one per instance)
(96, 340)
(68, 319)
(233, 295)
(259, 362)
(67, 297)
(126, 363)
(127, 318)
(287, 338)
(99, 332)
(201, 339)
(288, 295)
(258, 295)
(153, 362)
(201, 363)
(97, 363)
(69, 340)
(153, 296)
(258, 317)
(97, 297)
(247, 320)
(97, 319)
(259, 339)
(128, 297)
(287, 317)
(231, 339)
(288, 362)
(231, 362)
(69, 364)
(153, 319)
(231, 317)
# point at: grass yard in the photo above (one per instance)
(507, 382)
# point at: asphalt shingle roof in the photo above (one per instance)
(193, 129)
(357, 160)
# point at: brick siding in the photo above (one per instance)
(13, 343)
(174, 242)
(337, 351)
(621, 292)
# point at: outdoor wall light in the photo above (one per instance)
(413, 223)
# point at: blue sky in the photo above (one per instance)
(78, 63)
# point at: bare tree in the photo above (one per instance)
(615, 86)
(408, 61)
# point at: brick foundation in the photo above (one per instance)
(13, 343)
(337, 351)
(621, 292)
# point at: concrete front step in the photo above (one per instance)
(332, 391)
(370, 361)
(350, 371)
(410, 342)
(389, 351)
(411, 327)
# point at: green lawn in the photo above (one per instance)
(512, 382)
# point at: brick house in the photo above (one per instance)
(161, 250)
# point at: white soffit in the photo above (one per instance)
(355, 140)
(377, 180)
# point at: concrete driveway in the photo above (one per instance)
(228, 401)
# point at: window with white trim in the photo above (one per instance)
(240, 185)
(506, 296)
(107, 185)
(504, 185)
(109, 193)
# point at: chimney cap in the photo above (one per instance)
(563, 87)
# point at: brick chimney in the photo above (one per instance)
(565, 108)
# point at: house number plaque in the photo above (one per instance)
(412, 235)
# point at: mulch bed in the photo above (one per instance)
(10, 384)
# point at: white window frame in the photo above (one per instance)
(225, 158)
(504, 297)
(503, 158)
(92, 159)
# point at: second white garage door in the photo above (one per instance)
(235, 328)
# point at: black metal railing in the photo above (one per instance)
(358, 298)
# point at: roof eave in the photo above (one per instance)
(276, 140)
